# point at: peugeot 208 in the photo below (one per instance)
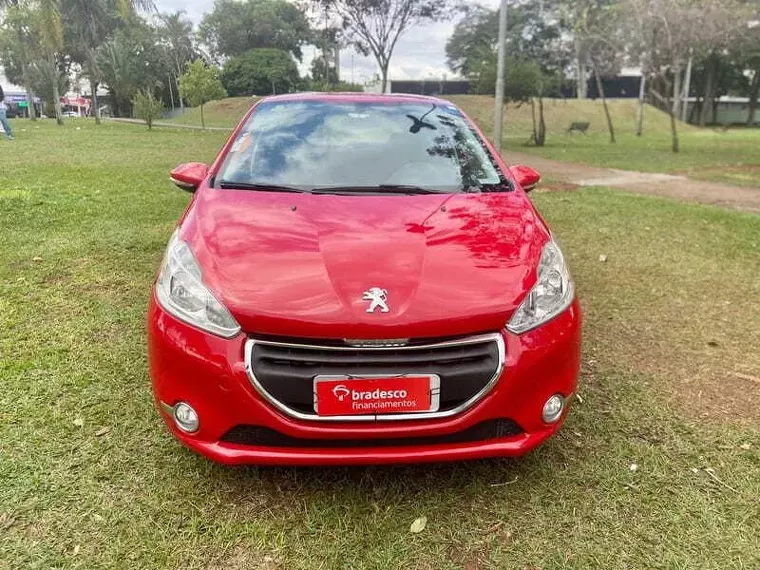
(361, 279)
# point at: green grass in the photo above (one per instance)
(710, 154)
(85, 215)
(224, 113)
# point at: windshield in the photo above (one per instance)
(364, 146)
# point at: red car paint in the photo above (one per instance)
(296, 266)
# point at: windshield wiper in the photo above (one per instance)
(504, 186)
(377, 189)
(263, 186)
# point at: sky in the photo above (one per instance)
(419, 54)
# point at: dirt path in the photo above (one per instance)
(680, 187)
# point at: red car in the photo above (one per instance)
(361, 279)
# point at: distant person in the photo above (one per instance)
(3, 116)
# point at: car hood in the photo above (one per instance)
(299, 265)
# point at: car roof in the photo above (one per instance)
(358, 96)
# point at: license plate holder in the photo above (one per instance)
(377, 394)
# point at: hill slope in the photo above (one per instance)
(710, 154)
(559, 113)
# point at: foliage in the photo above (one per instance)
(261, 71)
(322, 71)
(536, 54)
(534, 33)
(340, 86)
(44, 75)
(474, 41)
(234, 27)
(176, 36)
(201, 84)
(131, 60)
(375, 26)
(147, 107)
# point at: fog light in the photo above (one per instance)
(186, 418)
(553, 409)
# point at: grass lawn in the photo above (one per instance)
(656, 468)
(731, 156)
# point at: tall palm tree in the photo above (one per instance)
(88, 24)
(177, 34)
(19, 44)
(84, 23)
(46, 18)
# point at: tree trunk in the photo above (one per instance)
(95, 104)
(600, 88)
(640, 110)
(541, 124)
(384, 72)
(676, 106)
(674, 132)
(580, 74)
(711, 71)
(203, 121)
(687, 87)
(171, 93)
(179, 95)
(29, 93)
(533, 116)
(56, 95)
(673, 126)
(30, 104)
(694, 110)
(753, 94)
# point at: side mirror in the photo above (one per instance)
(526, 177)
(189, 176)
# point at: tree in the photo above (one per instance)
(260, 72)
(39, 61)
(87, 24)
(132, 59)
(375, 26)
(233, 28)
(147, 107)
(200, 84)
(47, 20)
(18, 47)
(471, 48)
(668, 31)
(537, 54)
(534, 33)
(176, 33)
(596, 37)
(322, 72)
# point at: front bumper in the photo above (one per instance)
(209, 373)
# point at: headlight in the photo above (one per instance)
(551, 295)
(181, 291)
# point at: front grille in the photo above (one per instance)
(284, 372)
(265, 437)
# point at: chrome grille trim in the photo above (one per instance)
(288, 411)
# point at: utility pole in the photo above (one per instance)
(498, 115)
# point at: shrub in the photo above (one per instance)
(147, 107)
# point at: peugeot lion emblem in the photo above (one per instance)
(378, 299)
